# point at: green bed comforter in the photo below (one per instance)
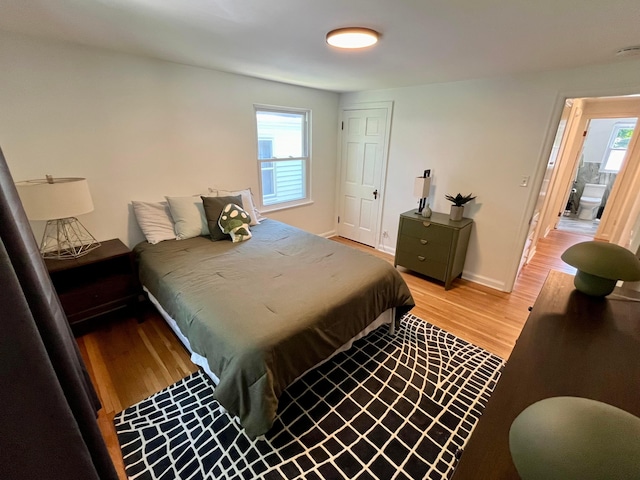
(266, 310)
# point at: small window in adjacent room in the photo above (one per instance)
(617, 147)
(283, 156)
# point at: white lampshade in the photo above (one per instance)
(59, 201)
(421, 187)
(64, 198)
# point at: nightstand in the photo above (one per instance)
(99, 282)
(435, 247)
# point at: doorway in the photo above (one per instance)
(365, 130)
(616, 222)
(598, 165)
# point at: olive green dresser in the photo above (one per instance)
(434, 246)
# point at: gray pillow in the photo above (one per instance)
(212, 209)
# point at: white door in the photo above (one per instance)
(363, 158)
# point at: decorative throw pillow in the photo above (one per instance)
(188, 215)
(235, 221)
(155, 221)
(247, 202)
(213, 208)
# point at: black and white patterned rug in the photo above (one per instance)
(399, 406)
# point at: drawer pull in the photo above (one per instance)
(426, 224)
(421, 258)
(423, 241)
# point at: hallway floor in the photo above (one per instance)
(573, 224)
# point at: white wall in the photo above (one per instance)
(482, 137)
(139, 129)
(596, 142)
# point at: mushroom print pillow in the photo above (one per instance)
(235, 221)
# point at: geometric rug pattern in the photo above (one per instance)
(393, 406)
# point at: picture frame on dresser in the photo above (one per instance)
(435, 247)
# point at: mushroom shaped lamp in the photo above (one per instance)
(600, 265)
(572, 438)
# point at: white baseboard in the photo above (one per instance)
(486, 281)
(329, 234)
(532, 253)
(385, 249)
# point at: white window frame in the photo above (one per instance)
(614, 134)
(306, 158)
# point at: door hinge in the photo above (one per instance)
(341, 125)
(584, 134)
(338, 219)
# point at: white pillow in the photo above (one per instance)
(155, 220)
(247, 202)
(188, 215)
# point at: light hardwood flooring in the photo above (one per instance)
(130, 360)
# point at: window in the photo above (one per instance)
(283, 156)
(617, 147)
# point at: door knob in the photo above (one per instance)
(375, 194)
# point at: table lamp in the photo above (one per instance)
(600, 265)
(421, 190)
(573, 438)
(59, 201)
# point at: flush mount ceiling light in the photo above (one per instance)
(628, 51)
(352, 37)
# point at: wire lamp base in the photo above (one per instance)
(66, 238)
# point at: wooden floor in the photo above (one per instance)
(130, 360)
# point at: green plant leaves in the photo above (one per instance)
(460, 200)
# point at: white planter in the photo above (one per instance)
(456, 213)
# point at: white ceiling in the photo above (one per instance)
(423, 41)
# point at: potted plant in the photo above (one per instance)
(458, 205)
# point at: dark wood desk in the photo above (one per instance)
(572, 345)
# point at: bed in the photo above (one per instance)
(264, 311)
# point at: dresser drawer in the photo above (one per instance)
(421, 264)
(427, 230)
(432, 250)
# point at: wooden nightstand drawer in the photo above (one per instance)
(430, 249)
(94, 295)
(101, 281)
(427, 230)
(421, 264)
